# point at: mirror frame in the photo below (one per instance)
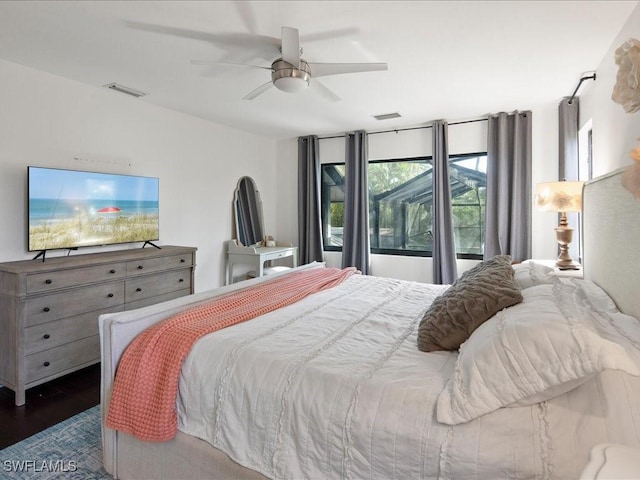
(247, 206)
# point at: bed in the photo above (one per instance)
(333, 386)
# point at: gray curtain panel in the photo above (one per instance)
(444, 247)
(355, 243)
(568, 163)
(508, 222)
(309, 216)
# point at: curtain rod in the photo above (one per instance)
(396, 130)
(586, 77)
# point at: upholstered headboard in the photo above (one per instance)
(611, 225)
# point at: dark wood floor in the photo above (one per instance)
(48, 404)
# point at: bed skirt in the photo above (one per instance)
(183, 457)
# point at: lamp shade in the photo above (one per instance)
(559, 196)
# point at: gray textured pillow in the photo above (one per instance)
(474, 298)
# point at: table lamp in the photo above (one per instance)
(561, 197)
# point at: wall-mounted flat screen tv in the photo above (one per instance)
(71, 209)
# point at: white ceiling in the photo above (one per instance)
(447, 59)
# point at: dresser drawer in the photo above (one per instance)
(51, 334)
(151, 265)
(65, 357)
(47, 308)
(279, 254)
(49, 281)
(153, 285)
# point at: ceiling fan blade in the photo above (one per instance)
(324, 69)
(291, 46)
(248, 16)
(324, 91)
(258, 91)
(266, 47)
(214, 63)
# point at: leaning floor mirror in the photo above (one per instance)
(248, 212)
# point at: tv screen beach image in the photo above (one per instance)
(70, 209)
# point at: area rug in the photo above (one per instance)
(72, 449)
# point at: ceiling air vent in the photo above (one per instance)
(122, 89)
(387, 116)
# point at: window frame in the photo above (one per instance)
(406, 253)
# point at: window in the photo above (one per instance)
(332, 198)
(468, 203)
(400, 203)
(585, 152)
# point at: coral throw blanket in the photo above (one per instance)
(146, 384)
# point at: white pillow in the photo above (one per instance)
(529, 274)
(549, 344)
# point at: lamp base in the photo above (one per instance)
(564, 235)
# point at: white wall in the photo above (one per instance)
(47, 121)
(615, 132)
(463, 138)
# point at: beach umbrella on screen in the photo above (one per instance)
(109, 210)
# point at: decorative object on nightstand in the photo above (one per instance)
(561, 197)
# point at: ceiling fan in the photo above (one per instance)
(291, 73)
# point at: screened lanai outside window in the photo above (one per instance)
(400, 202)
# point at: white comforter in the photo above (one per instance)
(334, 387)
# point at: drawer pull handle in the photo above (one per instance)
(112, 271)
(110, 295)
(46, 364)
(138, 289)
(181, 280)
(140, 267)
(46, 336)
(182, 260)
(48, 281)
(46, 309)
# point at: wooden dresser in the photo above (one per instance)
(49, 310)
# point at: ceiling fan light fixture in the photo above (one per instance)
(290, 79)
(291, 84)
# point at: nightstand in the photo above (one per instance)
(561, 273)
(612, 462)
